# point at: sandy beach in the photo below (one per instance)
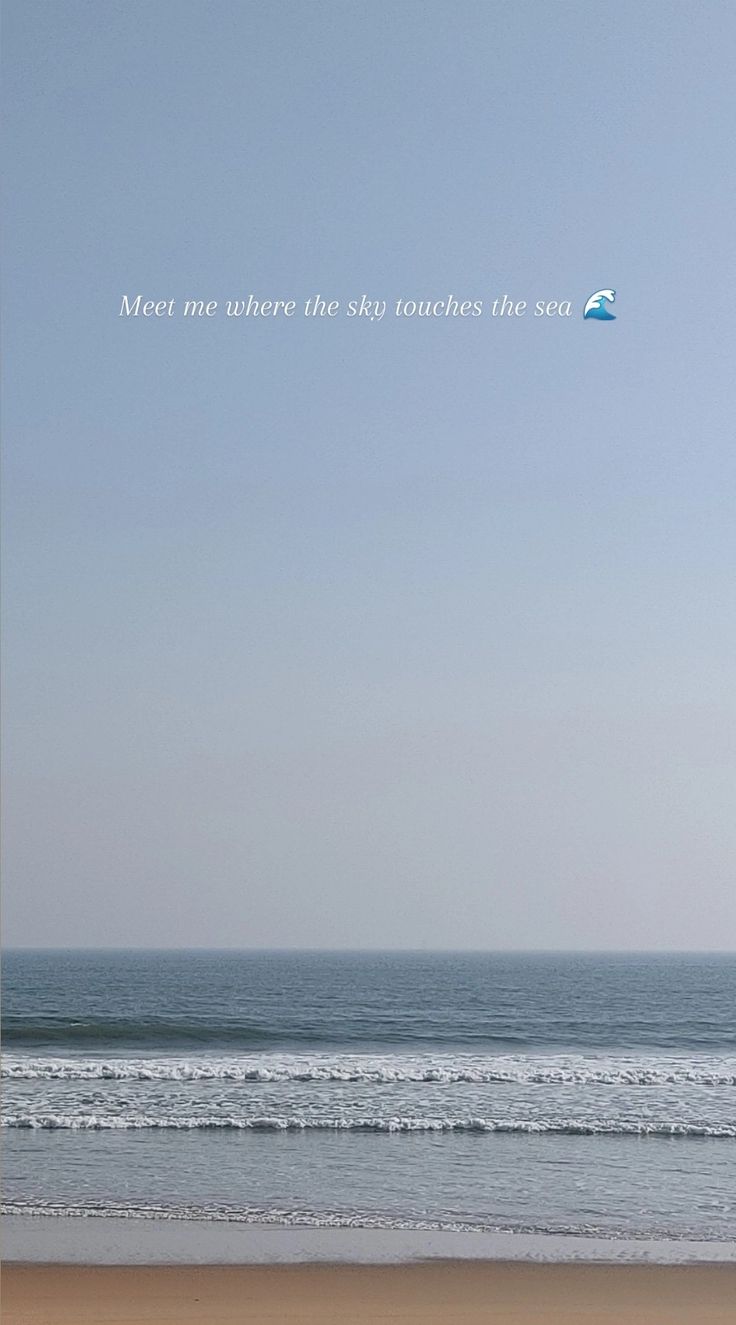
(450, 1293)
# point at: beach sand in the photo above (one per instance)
(447, 1292)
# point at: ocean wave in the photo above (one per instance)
(331, 1219)
(339, 1123)
(269, 1218)
(384, 1069)
(203, 1032)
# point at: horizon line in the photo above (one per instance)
(397, 951)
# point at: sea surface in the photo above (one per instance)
(543, 1093)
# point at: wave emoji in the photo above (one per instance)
(596, 306)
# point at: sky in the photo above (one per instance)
(329, 633)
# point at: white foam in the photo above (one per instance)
(297, 1122)
(474, 1069)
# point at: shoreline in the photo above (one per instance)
(109, 1241)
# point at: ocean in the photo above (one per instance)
(544, 1093)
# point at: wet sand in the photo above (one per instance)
(437, 1293)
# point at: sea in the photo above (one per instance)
(539, 1093)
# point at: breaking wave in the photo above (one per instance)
(441, 1069)
(298, 1123)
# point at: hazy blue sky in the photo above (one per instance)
(400, 634)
